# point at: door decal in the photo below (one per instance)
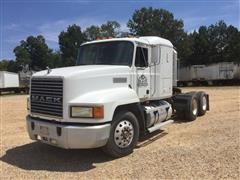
(142, 81)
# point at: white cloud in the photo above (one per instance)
(124, 27)
(11, 26)
(193, 19)
(193, 22)
(51, 30)
(196, 19)
(192, 30)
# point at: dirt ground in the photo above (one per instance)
(207, 148)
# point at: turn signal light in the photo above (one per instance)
(98, 112)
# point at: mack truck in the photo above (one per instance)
(120, 90)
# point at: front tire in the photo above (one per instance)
(124, 135)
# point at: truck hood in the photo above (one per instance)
(78, 81)
(77, 70)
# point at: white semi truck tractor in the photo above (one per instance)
(120, 89)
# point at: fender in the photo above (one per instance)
(109, 98)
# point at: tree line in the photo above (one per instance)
(216, 43)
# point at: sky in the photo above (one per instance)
(22, 18)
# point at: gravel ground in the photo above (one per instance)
(207, 148)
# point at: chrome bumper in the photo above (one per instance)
(68, 136)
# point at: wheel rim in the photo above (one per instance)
(194, 107)
(204, 103)
(123, 134)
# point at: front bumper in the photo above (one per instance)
(68, 136)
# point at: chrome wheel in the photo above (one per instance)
(204, 103)
(194, 107)
(123, 134)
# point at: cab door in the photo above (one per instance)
(142, 73)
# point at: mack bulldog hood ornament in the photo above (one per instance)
(48, 70)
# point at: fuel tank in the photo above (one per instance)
(157, 112)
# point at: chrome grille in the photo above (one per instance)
(47, 96)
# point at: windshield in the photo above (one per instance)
(107, 53)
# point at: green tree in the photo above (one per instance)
(110, 29)
(232, 48)
(33, 51)
(225, 42)
(156, 22)
(201, 47)
(9, 65)
(185, 50)
(4, 65)
(13, 66)
(123, 34)
(22, 54)
(216, 43)
(92, 33)
(56, 60)
(69, 42)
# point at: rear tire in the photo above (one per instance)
(192, 112)
(124, 135)
(202, 103)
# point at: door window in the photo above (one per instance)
(141, 57)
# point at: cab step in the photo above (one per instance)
(158, 126)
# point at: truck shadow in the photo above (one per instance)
(150, 138)
(38, 156)
(180, 120)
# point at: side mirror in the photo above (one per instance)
(155, 55)
(152, 63)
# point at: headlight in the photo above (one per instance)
(87, 112)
